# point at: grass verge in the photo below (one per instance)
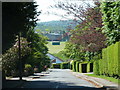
(117, 81)
(55, 48)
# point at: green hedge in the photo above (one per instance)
(77, 66)
(110, 62)
(56, 65)
(90, 67)
(96, 67)
(85, 67)
(74, 65)
(65, 65)
(111, 21)
(82, 67)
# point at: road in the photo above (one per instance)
(58, 78)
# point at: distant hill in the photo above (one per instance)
(56, 26)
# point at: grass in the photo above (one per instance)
(61, 56)
(105, 77)
(55, 48)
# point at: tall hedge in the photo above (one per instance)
(110, 63)
(56, 65)
(74, 66)
(65, 65)
(96, 67)
(111, 21)
(90, 67)
(84, 67)
(77, 66)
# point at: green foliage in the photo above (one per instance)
(39, 50)
(17, 17)
(73, 51)
(56, 65)
(88, 67)
(10, 60)
(55, 26)
(77, 66)
(61, 56)
(96, 67)
(84, 67)
(80, 68)
(32, 52)
(111, 21)
(28, 70)
(105, 77)
(109, 64)
(65, 65)
(74, 66)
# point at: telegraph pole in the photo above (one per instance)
(20, 62)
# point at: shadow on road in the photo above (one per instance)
(47, 85)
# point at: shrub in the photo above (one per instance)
(84, 67)
(65, 65)
(28, 70)
(14, 73)
(77, 66)
(91, 67)
(71, 66)
(74, 66)
(96, 67)
(36, 70)
(56, 65)
(88, 67)
(111, 21)
(80, 68)
(109, 64)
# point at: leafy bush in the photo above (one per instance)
(88, 67)
(111, 21)
(56, 65)
(74, 66)
(65, 65)
(28, 70)
(77, 66)
(96, 67)
(84, 67)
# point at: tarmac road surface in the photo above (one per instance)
(58, 79)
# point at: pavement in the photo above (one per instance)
(63, 78)
(98, 82)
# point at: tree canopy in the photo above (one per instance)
(16, 17)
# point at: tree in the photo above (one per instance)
(16, 17)
(10, 60)
(88, 33)
(76, 10)
(39, 50)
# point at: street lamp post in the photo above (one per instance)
(20, 62)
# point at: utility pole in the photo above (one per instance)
(20, 61)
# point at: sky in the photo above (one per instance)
(44, 6)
